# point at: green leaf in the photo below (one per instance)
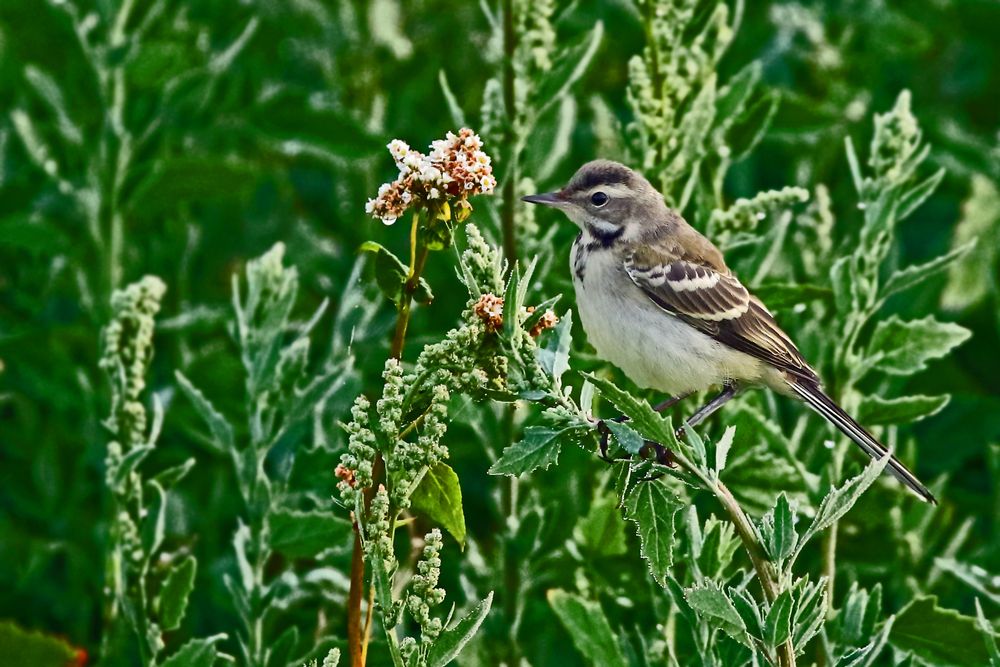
(779, 296)
(749, 610)
(21, 232)
(129, 463)
(222, 432)
(630, 441)
(918, 194)
(810, 610)
(856, 619)
(554, 357)
(750, 127)
(864, 656)
(196, 653)
(588, 627)
(840, 500)
(570, 64)
(970, 280)
(712, 603)
(732, 99)
(439, 498)
(174, 594)
(777, 530)
(938, 636)
(539, 448)
(979, 579)
(651, 424)
(777, 624)
(154, 522)
(172, 475)
(454, 109)
(23, 647)
(279, 652)
(989, 636)
(602, 532)
(913, 275)
(451, 642)
(722, 448)
(391, 274)
(305, 534)
(876, 410)
(652, 508)
(903, 348)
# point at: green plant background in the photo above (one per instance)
(268, 123)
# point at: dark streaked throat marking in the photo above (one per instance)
(599, 240)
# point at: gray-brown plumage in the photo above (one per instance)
(657, 299)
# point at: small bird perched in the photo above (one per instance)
(657, 300)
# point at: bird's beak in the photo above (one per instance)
(546, 198)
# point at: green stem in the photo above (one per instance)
(769, 581)
(510, 110)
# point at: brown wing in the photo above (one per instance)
(716, 303)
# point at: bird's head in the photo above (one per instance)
(606, 199)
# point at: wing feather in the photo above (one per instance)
(716, 303)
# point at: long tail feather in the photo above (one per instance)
(833, 413)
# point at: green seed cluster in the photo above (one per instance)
(424, 594)
(359, 455)
(745, 214)
(896, 140)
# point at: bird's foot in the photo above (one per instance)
(605, 432)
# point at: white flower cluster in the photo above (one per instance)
(456, 167)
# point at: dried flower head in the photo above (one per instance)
(346, 475)
(489, 308)
(456, 168)
(546, 321)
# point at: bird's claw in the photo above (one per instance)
(660, 454)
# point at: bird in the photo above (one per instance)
(657, 300)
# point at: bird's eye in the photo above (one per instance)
(599, 199)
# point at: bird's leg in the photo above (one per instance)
(605, 432)
(705, 411)
(670, 401)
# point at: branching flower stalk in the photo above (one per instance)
(437, 187)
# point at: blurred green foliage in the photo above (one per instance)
(181, 139)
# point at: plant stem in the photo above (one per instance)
(766, 575)
(357, 635)
(510, 110)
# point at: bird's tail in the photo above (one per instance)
(833, 413)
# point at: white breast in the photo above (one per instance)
(654, 349)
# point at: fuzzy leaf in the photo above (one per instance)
(913, 275)
(777, 624)
(876, 410)
(840, 500)
(989, 635)
(653, 508)
(177, 587)
(588, 627)
(778, 530)
(779, 296)
(979, 579)
(903, 348)
(451, 642)
(24, 647)
(439, 498)
(938, 636)
(154, 523)
(630, 441)
(864, 656)
(722, 448)
(712, 603)
(222, 432)
(652, 425)
(539, 448)
(196, 653)
(304, 534)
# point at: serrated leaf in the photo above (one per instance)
(875, 410)
(777, 623)
(652, 508)
(864, 656)
(305, 534)
(588, 627)
(903, 348)
(24, 647)
(196, 653)
(810, 611)
(712, 603)
(913, 275)
(840, 500)
(539, 448)
(749, 611)
(177, 587)
(778, 530)
(651, 424)
(779, 296)
(938, 636)
(722, 448)
(218, 426)
(439, 497)
(452, 640)
(630, 441)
